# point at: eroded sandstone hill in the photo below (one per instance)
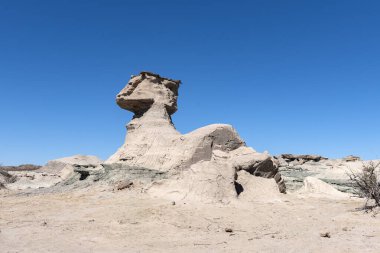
(153, 142)
(208, 164)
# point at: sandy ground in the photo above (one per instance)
(99, 220)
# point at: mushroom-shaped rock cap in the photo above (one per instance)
(146, 89)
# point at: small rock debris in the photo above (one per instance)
(228, 230)
(325, 235)
(123, 185)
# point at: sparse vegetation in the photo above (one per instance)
(366, 183)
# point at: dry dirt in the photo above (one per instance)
(102, 220)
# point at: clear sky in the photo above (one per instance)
(290, 76)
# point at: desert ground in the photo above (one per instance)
(99, 219)
(164, 191)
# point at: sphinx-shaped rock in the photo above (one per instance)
(214, 152)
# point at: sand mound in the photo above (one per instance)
(317, 188)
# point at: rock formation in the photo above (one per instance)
(54, 172)
(210, 164)
(300, 159)
(209, 153)
(295, 168)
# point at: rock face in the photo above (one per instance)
(215, 152)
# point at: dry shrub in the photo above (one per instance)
(366, 183)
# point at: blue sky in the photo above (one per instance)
(290, 76)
